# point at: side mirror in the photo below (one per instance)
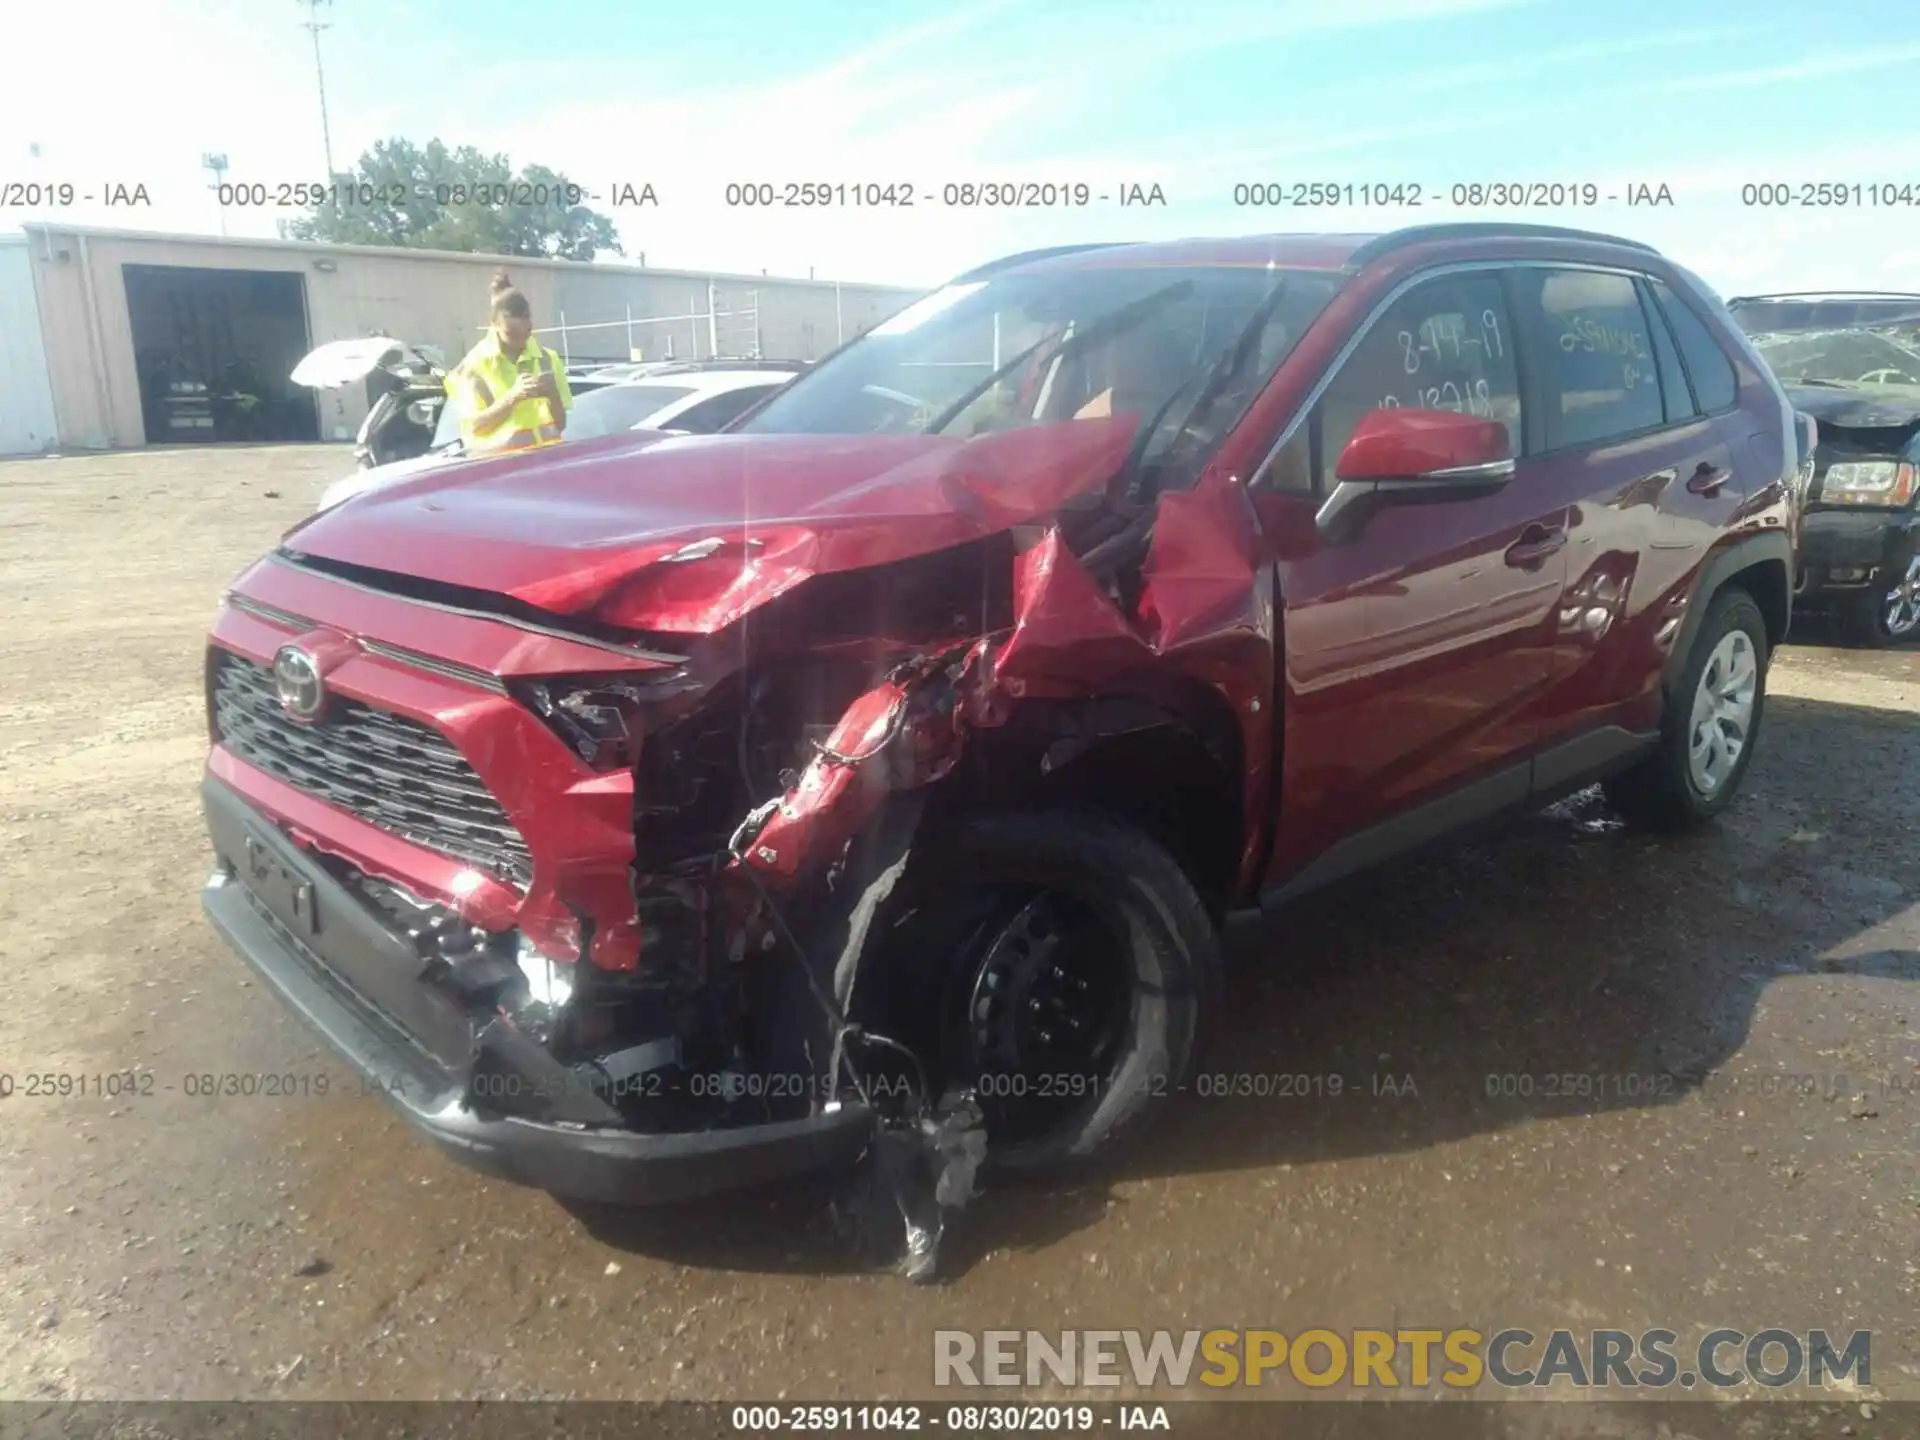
(1403, 455)
(1425, 447)
(1807, 433)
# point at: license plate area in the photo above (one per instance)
(285, 894)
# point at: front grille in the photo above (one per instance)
(392, 772)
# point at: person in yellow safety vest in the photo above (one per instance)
(512, 391)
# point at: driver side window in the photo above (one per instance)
(1444, 345)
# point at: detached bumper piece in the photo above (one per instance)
(329, 958)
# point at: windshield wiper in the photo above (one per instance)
(1213, 381)
(1106, 327)
(1117, 548)
(1228, 367)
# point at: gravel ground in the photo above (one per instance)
(171, 1246)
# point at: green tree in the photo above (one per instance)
(433, 197)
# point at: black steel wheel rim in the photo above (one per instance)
(1037, 1012)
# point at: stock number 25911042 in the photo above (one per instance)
(1822, 194)
(818, 194)
(1308, 194)
(74, 1085)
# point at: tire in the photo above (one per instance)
(1667, 791)
(1889, 613)
(1144, 926)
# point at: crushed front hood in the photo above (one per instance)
(685, 534)
(1858, 407)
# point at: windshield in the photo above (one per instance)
(619, 407)
(1025, 349)
(1843, 357)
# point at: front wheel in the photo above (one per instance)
(1059, 966)
(1712, 721)
(1888, 614)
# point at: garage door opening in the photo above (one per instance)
(213, 349)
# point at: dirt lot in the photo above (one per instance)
(174, 1246)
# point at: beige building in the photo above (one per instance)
(140, 330)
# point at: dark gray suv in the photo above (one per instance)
(1852, 362)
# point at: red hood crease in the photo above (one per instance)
(592, 528)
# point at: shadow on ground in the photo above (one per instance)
(1560, 945)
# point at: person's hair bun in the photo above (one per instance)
(501, 284)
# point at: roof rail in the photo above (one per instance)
(1024, 257)
(1826, 295)
(1472, 229)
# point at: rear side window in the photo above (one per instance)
(1447, 344)
(1598, 374)
(1673, 378)
(1715, 386)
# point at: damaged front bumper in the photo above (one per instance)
(360, 986)
(1848, 550)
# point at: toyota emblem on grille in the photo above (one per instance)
(296, 679)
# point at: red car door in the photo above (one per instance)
(1648, 480)
(1417, 644)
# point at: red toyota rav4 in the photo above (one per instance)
(657, 814)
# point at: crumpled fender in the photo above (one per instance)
(1067, 632)
(1199, 576)
(902, 734)
(1201, 595)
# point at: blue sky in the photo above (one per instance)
(1700, 95)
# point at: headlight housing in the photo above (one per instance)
(598, 717)
(1885, 483)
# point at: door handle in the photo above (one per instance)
(1535, 547)
(1707, 479)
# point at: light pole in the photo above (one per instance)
(216, 166)
(313, 25)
